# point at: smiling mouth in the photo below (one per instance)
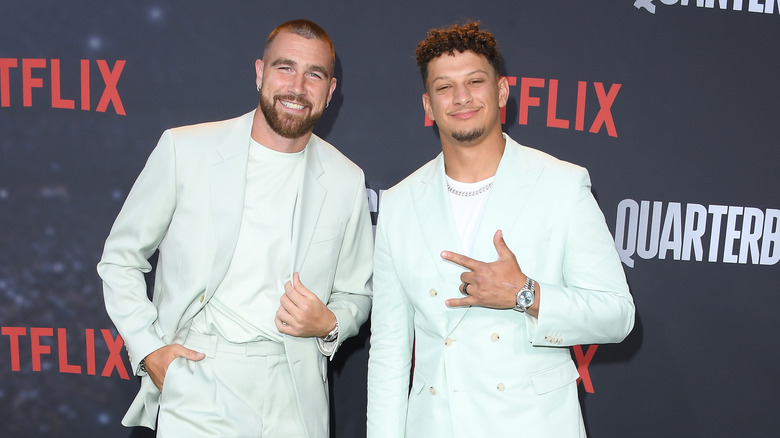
(292, 105)
(465, 113)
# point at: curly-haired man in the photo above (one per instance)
(490, 260)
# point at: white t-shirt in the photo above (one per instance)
(468, 209)
(245, 304)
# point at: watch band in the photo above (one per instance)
(526, 295)
(333, 335)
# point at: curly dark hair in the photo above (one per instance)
(460, 38)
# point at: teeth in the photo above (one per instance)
(291, 105)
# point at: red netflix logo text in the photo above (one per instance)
(40, 338)
(583, 361)
(46, 74)
(39, 347)
(532, 93)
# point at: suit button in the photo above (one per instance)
(432, 390)
(494, 337)
(448, 342)
(433, 292)
(500, 387)
(553, 339)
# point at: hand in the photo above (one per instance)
(493, 285)
(302, 313)
(157, 362)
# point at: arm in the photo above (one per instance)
(390, 356)
(350, 299)
(302, 313)
(593, 305)
(134, 237)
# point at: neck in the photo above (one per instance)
(263, 134)
(475, 161)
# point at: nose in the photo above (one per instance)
(462, 96)
(297, 84)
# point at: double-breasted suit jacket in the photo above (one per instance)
(482, 372)
(187, 203)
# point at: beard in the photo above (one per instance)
(286, 125)
(468, 136)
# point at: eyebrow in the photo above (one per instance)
(432, 81)
(290, 62)
(467, 74)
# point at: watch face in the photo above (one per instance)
(525, 299)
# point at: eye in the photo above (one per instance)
(315, 75)
(442, 88)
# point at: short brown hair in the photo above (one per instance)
(307, 29)
(461, 38)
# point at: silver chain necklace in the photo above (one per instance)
(480, 190)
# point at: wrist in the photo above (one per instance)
(526, 296)
(333, 334)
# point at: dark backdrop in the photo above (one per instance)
(671, 105)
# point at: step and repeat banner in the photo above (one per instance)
(672, 105)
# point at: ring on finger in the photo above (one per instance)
(465, 291)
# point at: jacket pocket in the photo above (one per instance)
(326, 233)
(555, 377)
(540, 237)
(417, 385)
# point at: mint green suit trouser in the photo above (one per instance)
(238, 390)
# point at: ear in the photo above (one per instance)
(259, 72)
(503, 91)
(332, 89)
(426, 101)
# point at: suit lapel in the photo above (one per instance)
(514, 182)
(227, 186)
(434, 215)
(308, 203)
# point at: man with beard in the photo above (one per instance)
(264, 260)
(490, 260)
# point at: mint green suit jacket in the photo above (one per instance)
(478, 371)
(187, 203)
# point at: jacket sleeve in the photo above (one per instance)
(137, 232)
(350, 298)
(593, 305)
(392, 343)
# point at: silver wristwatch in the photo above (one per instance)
(333, 335)
(526, 295)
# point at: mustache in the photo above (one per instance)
(293, 98)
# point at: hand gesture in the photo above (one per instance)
(493, 285)
(158, 361)
(302, 313)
